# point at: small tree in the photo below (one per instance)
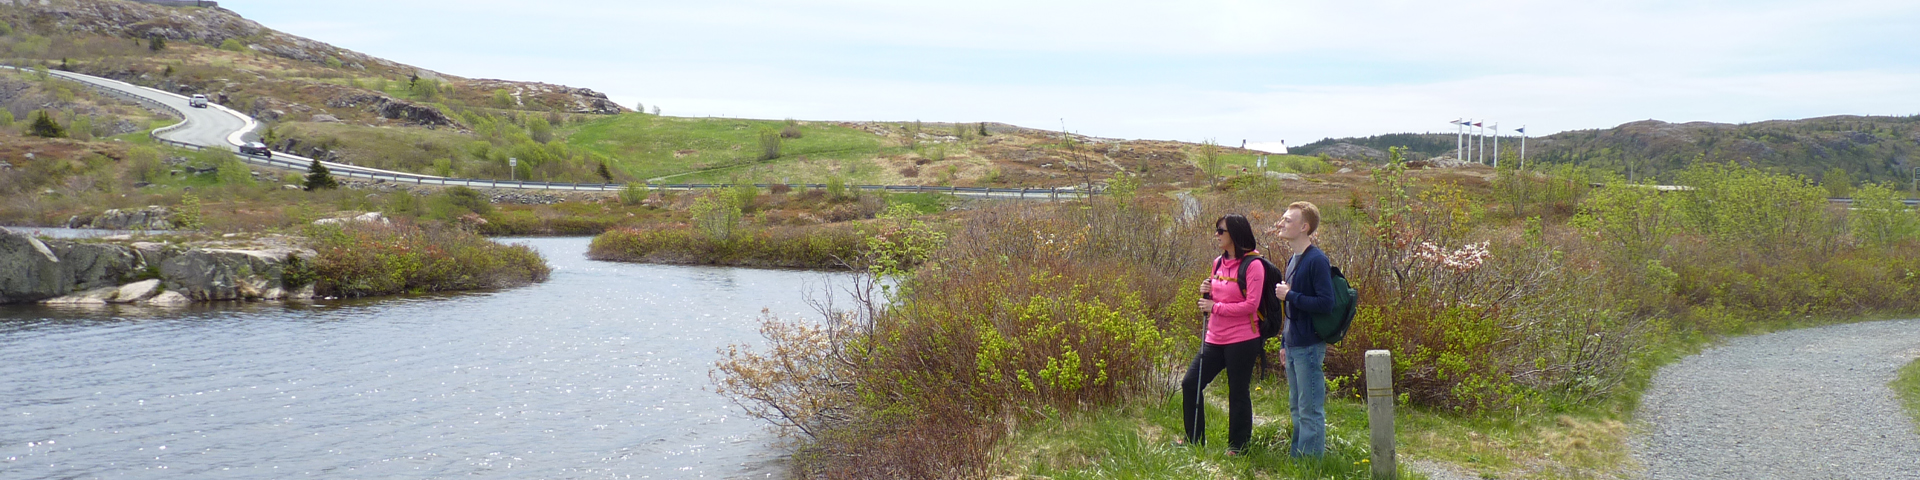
(156, 43)
(769, 144)
(656, 110)
(540, 130)
(319, 178)
(188, 215)
(1837, 183)
(44, 126)
(1208, 156)
(983, 129)
(605, 175)
(6, 117)
(634, 193)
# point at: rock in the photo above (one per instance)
(29, 271)
(168, 298)
(137, 291)
(98, 296)
(216, 274)
(33, 271)
(151, 218)
(369, 217)
(324, 118)
(393, 108)
(1284, 176)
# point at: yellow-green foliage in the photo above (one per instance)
(1907, 387)
(364, 259)
(817, 246)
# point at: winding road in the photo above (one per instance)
(220, 127)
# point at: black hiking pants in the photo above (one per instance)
(1237, 359)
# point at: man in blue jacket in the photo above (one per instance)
(1307, 286)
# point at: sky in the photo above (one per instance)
(1225, 70)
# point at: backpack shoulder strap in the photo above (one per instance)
(1244, 263)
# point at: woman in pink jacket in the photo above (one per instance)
(1232, 340)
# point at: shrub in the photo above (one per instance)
(44, 126)
(792, 130)
(233, 45)
(769, 145)
(357, 259)
(1879, 218)
(633, 193)
(1026, 309)
(156, 43)
(319, 178)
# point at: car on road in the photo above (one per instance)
(197, 101)
(256, 148)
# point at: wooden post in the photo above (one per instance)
(1380, 411)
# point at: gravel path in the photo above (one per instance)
(1801, 404)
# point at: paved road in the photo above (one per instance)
(1802, 404)
(220, 127)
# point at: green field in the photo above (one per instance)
(717, 149)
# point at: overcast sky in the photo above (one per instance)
(1261, 71)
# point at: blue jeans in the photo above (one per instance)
(1307, 397)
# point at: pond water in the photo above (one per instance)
(601, 372)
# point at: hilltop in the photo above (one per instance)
(1868, 148)
(326, 102)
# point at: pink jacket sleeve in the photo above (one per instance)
(1250, 302)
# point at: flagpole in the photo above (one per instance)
(1523, 147)
(1459, 140)
(1496, 145)
(1483, 141)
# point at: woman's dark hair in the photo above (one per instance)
(1240, 231)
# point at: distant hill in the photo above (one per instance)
(1869, 149)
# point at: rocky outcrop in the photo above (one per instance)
(210, 275)
(395, 109)
(545, 95)
(150, 218)
(205, 26)
(70, 272)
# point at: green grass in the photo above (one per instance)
(1278, 163)
(1135, 440)
(1907, 387)
(647, 146)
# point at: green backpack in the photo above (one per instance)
(1332, 325)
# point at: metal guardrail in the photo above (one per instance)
(269, 161)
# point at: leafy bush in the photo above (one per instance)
(357, 259)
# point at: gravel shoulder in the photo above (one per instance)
(1803, 404)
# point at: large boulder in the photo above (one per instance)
(96, 265)
(395, 109)
(33, 270)
(29, 270)
(150, 218)
(206, 274)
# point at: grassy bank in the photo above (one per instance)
(1907, 387)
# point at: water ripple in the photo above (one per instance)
(599, 373)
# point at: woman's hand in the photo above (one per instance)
(1206, 305)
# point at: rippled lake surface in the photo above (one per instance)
(601, 372)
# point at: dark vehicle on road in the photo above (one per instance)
(256, 148)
